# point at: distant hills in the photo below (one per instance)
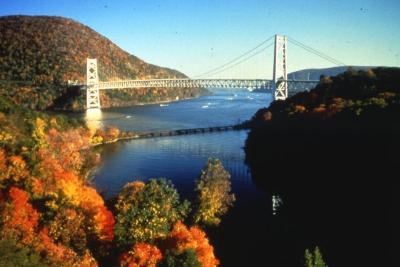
(44, 51)
(315, 74)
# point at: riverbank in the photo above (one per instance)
(143, 96)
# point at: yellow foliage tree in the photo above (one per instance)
(214, 198)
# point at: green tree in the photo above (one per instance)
(187, 258)
(314, 259)
(13, 255)
(147, 212)
(214, 198)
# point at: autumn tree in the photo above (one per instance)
(13, 170)
(20, 225)
(147, 212)
(47, 207)
(214, 197)
(141, 255)
(182, 238)
(19, 219)
(68, 228)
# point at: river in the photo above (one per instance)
(239, 239)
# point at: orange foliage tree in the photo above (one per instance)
(20, 223)
(182, 238)
(13, 169)
(60, 164)
(142, 255)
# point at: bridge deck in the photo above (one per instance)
(206, 83)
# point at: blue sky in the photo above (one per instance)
(195, 36)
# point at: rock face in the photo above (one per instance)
(47, 52)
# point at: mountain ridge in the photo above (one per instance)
(46, 52)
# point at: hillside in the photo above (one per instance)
(40, 54)
(330, 155)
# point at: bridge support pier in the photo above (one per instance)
(92, 82)
(280, 68)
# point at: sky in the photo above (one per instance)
(196, 36)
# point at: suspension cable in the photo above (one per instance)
(235, 59)
(316, 52)
(243, 60)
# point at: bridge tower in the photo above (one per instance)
(92, 82)
(280, 68)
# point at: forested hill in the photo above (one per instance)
(54, 49)
(39, 54)
(330, 155)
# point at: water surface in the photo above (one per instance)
(181, 158)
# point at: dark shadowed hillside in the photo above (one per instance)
(39, 54)
(331, 154)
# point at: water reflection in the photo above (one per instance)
(241, 238)
(94, 117)
(179, 158)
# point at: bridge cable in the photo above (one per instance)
(317, 53)
(235, 59)
(333, 61)
(243, 60)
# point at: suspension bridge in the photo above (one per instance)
(279, 84)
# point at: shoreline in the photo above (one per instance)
(151, 103)
(83, 110)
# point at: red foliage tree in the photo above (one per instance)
(20, 220)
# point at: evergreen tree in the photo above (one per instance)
(314, 259)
